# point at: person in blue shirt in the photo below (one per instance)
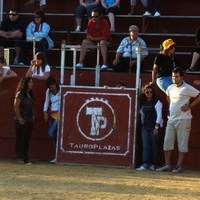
(39, 30)
(111, 8)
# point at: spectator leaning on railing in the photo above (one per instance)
(5, 71)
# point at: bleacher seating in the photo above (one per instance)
(179, 25)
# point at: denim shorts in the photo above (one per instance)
(164, 82)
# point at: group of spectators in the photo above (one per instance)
(24, 115)
(166, 73)
(14, 32)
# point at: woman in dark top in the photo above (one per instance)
(23, 106)
(151, 118)
(164, 63)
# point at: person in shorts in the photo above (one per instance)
(179, 119)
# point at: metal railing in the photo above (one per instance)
(74, 49)
(1, 10)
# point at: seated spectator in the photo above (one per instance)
(39, 30)
(164, 64)
(149, 7)
(111, 8)
(196, 53)
(97, 32)
(39, 68)
(126, 58)
(42, 3)
(121, 85)
(133, 4)
(84, 7)
(5, 71)
(12, 34)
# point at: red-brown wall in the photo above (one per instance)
(41, 145)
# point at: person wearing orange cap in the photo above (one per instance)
(163, 65)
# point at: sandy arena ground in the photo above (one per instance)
(43, 181)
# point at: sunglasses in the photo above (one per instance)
(94, 17)
(37, 17)
(12, 14)
(148, 92)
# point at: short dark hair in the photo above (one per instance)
(97, 11)
(120, 84)
(41, 14)
(177, 70)
(14, 10)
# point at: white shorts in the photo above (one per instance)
(179, 129)
(42, 3)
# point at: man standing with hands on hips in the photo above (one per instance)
(179, 119)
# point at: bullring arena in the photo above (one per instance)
(87, 175)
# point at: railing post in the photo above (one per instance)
(73, 76)
(138, 51)
(62, 65)
(1, 11)
(97, 70)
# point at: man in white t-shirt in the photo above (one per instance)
(179, 119)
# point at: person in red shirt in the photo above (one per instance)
(98, 31)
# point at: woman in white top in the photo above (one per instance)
(39, 68)
(5, 71)
(51, 109)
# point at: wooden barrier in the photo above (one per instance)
(41, 147)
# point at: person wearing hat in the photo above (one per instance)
(126, 57)
(163, 65)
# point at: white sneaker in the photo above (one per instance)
(157, 14)
(78, 29)
(79, 65)
(104, 67)
(142, 168)
(147, 13)
(152, 168)
(53, 161)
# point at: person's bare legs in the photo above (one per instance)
(195, 58)
(180, 159)
(132, 10)
(104, 50)
(83, 51)
(168, 157)
(111, 18)
(78, 21)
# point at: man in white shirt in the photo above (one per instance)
(179, 119)
(126, 57)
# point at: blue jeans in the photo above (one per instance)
(164, 82)
(53, 124)
(52, 131)
(81, 10)
(150, 144)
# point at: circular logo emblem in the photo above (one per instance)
(96, 119)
